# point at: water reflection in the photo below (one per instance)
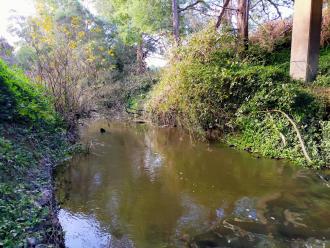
(82, 230)
(149, 187)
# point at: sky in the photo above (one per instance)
(22, 7)
(26, 8)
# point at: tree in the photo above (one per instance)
(224, 12)
(137, 21)
(243, 21)
(179, 9)
(175, 21)
(268, 10)
(6, 51)
(70, 51)
(251, 11)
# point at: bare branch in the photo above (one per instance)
(190, 6)
(276, 7)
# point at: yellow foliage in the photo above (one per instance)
(73, 44)
(47, 24)
(75, 20)
(97, 30)
(81, 34)
(111, 52)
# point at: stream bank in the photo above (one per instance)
(28, 213)
(33, 140)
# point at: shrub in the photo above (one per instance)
(31, 141)
(266, 131)
(206, 83)
(276, 35)
(19, 214)
(273, 35)
(127, 91)
(326, 141)
(325, 30)
(210, 85)
(321, 87)
(23, 100)
(324, 65)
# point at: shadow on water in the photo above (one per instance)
(152, 187)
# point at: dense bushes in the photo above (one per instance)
(126, 91)
(17, 216)
(22, 100)
(210, 85)
(276, 35)
(323, 78)
(273, 35)
(265, 130)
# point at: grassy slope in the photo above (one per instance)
(32, 140)
(213, 89)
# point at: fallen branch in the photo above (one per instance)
(302, 144)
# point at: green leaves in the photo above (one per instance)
(24, 151)
(209, 85)
(133, 18)
(19, 214)
(26, 101)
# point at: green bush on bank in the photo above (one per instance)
(211, 85)
(270, 133)
(323, 78)
(31, 135)
(23, 100)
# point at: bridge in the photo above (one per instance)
(305, 49)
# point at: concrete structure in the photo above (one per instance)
(305, 48)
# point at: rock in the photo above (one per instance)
(248, 149)
(185, 237)
(31, 242)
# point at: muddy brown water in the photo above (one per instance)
(143, 186)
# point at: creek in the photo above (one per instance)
(144, 186)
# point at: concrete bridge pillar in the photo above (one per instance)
(306, 32)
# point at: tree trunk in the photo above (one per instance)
(227, 19)
(176, 21)
(243, 21)
(223, 14)
(141, 65)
